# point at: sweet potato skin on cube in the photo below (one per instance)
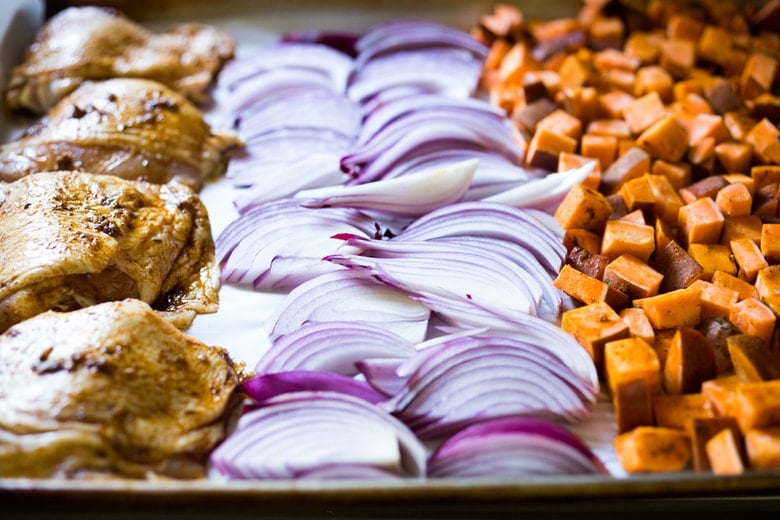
(651, 449)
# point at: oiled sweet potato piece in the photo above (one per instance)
(651, 449)
(689, 363)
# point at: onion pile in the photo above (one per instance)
(418, 258)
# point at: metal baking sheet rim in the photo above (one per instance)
(18, 21)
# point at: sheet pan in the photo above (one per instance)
(239, 326)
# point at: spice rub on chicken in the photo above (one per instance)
(74, 239)
(130, 128)
(83, 43)
(112, 390)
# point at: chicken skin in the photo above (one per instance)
(93, 43)
(112, 390)
(131, 128)
(74, 239)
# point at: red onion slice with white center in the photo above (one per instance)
(450, 72)
(280, 248)
(306, 109)
(392, 110)
(325, 60)
(350, 295)
(414, 35)
(377, 158)
(467, 274)
(265, 386)
(341, 41)
(524, 227)
(334, 347)
(513, 447)
(408, 196)
(297, 433)
(544, 194)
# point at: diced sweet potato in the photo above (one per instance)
(701, 221)
(600, 147)
(764, 138)
(569, 161)
(751, 316)
(763, 448)
(712, 257)
(720, 393)
(638, 324)
(689, 363)
(748, 256)
(726, 453)
(757, 405)
(583, 208)
(715, 300)
(752, 359)
(638, 194)
(586, 289)
(679, 173)
(651, 449)
(667, 202)
(770, 242)
(632, 404)
(677, 410)
(734, 200)
(545, 146)
(743, 288)
(665, 139)
(630, 165)
(735, 157)
(593, 326)
(758, 75)
(633, 276)
(701, 430)
(629, 359)
(623, 237)
(679, 308)
(717, 330)
(679, 268)
(768, 287)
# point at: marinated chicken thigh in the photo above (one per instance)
(131, 128)
(83, 43)
(74, 239)
(111, 390)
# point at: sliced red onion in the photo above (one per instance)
(417, 134)
(280, 248)
(455, 383)
(305, 109)
(544, 194)
(265, 386)
(392, 110)
(413, 34)
(298, 434)
(451, 72)
(512, 447)
(408, 196)
(525, 227)
(382, 374)
(335, 347)
(341, 41)
(270, 86)
(391, 94)
(416, 30)
(347, 294)
(324, 59)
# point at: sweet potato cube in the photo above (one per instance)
(734, 156)
(748, 256)
(679, 308)
(582, 238)
(725, 453)
(666, 201)
(768, 287)
(734, 200)
(712, 257)
(603, 148)
(762, 446)
(593, 326)
(562, 123)
(765, 174)
(679, 268)
(713, 44)
(738, 123)
(665, 139)
(570, 161)
(701, 221)
(715, 300)
(678, 56)
(583, 208)
(636, 216)
(632, 276)
(751, 316)
(763, 137)
(631, 358)
(689, 362)
(744, 289)
(716, 330)
(757, 405)
(758, 75)
(545, 146)
(664, 233)
(633, 404)
(616, 128)
(678, 173)
(641, 113)
(634, 163)
(587, 289)
(638, 194)
(677, 410)
(652, 449)
(639, 325)
(720, 393)
(643, 46)
(770, 242)
(752, 359)
(701, 430)
(747, 226)
(623, 237)
(706, 187)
